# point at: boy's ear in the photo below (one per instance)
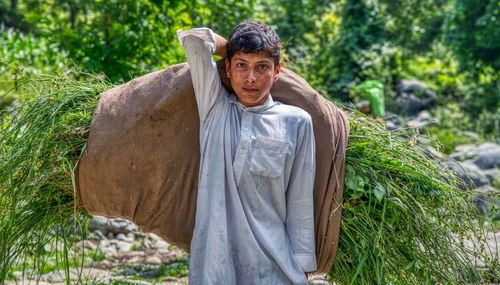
(277, 71)
(228, 68)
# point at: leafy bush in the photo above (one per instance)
(25, 55)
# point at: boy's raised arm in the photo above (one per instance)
(199, 46)
(220, 45)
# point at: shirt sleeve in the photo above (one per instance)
(199, 45)
(299, 200)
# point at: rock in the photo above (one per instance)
(464, 152)
(482, 199)
(97, 223)
(109, 250)
(392, 121)
(121, 236)
(123, 246)
(104, 264)
(391, 125)
(488, 159)
(422, 121)
(111, 226)
(135, 260)
(157, 242)
(120, 225)
(414, 96)
(54, 276)
(86, 245)
(472, 135)
(487, 146)
(432, 152)
(469, 173)
(153, 260)
(129, 255)
(104, 243)
(129, 272)
(493, 176)
(99, 235)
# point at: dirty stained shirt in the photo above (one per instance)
(254, 216)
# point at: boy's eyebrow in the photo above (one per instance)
(260, 61)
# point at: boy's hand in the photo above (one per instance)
(220, 46)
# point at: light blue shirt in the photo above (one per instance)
(254, 216)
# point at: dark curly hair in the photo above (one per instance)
(253, 37)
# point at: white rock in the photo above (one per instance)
(135, 260)
(153, 260)
(488, 146)
(123, 246)
(86, 245)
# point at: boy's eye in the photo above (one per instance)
(262, 67)
(240, 65)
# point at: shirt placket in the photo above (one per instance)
(243, 155)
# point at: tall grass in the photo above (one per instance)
(40, 141)
(404, 220)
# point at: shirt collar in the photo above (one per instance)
(266, 105)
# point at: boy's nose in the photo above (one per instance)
(251, 76)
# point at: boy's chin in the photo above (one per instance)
(250, 102)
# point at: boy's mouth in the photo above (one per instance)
(250, 89)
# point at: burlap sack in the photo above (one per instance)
(142, 156)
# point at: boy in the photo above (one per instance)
(254, 216)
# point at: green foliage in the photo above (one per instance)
(439, 70)
(123, 39)
(32, 54)
(51, 257)
(472, 31)
(40, 142)
(216, 14)
(404, 219)
(413, 25)
(294, 20)
(488, 125)
(335, 63)
(446, 135)
(176, 268)
(25, 55)
(447, 139)
(360, 30)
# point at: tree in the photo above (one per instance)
(472, 30)
(338, 55)
(413, 25)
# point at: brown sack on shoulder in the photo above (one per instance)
(142, 156)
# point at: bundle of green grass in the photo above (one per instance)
(404, 221)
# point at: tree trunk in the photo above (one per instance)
(13, 6)
(105, 24)
(73, 11)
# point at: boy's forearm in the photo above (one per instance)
(220, 45)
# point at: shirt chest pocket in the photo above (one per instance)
(268, 157)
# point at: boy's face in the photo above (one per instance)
(252, 75)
